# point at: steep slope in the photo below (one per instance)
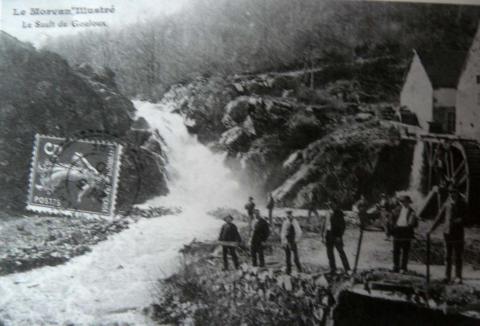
(284, 137)
(42, 94)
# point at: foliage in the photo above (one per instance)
(209, 37)
(248, 296)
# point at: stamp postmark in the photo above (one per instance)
(74, 176)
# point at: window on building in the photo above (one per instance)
(478, 79)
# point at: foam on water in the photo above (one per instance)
(198, 177)
(117, 279)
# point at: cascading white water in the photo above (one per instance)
(417, 167)
(116, 280)
(415, 182)
(198, 178)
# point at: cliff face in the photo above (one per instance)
(41, 93)
(283, 137)
(345, 163)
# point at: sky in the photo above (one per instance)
(36, 28)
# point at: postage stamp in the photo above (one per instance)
(74, 176)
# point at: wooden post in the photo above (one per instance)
(359, 246)
(428, 259)
(430, 164)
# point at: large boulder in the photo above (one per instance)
(236, 139)
(41, 94)
(281, 135)
(202, 102)
(341, 165)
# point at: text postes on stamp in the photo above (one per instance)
(74, 176)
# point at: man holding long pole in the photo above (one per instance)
(453, 213)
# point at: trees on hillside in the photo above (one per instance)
(224, 37)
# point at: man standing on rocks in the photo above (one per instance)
(270, 206)
(404, 223)
(384, 207)
(333, 229)
(453, 213)
(250, 208)
(229, 233)
(290, 236)
(312, 201)
(260, 234)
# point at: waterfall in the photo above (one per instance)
(415, 182)
(197, 177)
(112, 283)
(417, 168)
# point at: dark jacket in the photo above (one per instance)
(337, 221)
(453, 214)
(261, 231)
(250, 207)
(229, 232)
(270, 203)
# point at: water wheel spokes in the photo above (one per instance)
(457, 175)
(459, 169)
(452, 162)
(448, 167)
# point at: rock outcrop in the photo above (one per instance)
(42, 94)
(340, 165)
(285, 137)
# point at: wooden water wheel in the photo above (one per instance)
(454, 163)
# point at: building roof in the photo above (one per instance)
(443, 67)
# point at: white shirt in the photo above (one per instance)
(402, 219)
(328, 220)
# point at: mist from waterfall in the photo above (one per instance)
(197, 178)
(112, 283)
(415, 182)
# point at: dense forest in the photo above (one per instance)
(222, 37)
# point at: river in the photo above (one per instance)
(115, 281)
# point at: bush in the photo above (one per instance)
(244, 297)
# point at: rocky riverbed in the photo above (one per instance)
(34, 241)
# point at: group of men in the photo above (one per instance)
(333, 227)
(259, 234)
(398, 219)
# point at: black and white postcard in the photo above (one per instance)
(239, 163)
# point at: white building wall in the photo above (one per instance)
(417, 93)
(445, 97)
(468, 94)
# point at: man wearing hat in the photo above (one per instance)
(260, 234)
(333, 229)
(290, 235)
(229, 233)
(404, 223)
(453, 214)
(250, 208)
